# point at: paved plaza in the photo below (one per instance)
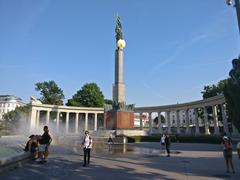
(139, 161)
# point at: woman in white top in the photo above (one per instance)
(87, 146)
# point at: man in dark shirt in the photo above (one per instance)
(44, 142)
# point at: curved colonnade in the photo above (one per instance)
(197, 117)
(206, 116)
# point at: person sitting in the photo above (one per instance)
(32, 146)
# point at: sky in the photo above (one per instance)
(173, 48)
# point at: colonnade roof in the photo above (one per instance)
(49, 107)
(220, 99)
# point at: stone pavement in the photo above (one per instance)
(139, 161)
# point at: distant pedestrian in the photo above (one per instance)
(110, 142)
(227, 153)
(167, 144)
(162, 140)
(87, 146)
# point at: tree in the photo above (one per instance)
(108, 101)
(155, 120)
(232, 93)
(13, 120)
(89, 96)
(231, 89)
(214, 90)
(51, 93)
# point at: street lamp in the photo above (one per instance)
(237, 6)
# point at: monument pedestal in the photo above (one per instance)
(119, 119)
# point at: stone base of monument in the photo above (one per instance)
(119, 120)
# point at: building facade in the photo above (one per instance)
(9, 103)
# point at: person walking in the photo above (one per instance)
(110, 142)
(44, 143)
(167, 144)
(87, 146)
(227, 153)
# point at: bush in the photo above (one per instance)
(178, 138)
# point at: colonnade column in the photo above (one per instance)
(76, 123)
(224, 118)
(86, 121)
(150, 121)
(67, 121)
(141, 121)
(47, 117)
(159, 123)
(206, 124)
(196, 121)
(95, 122)
(215, 120)
(37, 119)
(57, 119)
(32, 119)
(187, 120)
(168, 122)
(178, 122)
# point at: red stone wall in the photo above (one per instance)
(119, 120)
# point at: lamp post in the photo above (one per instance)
(237, 6)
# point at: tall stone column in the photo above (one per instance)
(141, 120)
(76, 123)
(196, 120)
(150, 121)
(206, 124)
(224, 118)
(168, 122)
(67, 122)
(38, 119)
(57, 119)
(32, 119)
(159, 123)
(178, 122)
(47, 117)
(215, 120)
(86, 121)
(187, 121)
(95, 122)
(119, 85)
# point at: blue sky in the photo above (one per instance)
(173, 48)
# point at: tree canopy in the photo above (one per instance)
(231, 89)
(51, 93)
(89, 95)
(14, 119)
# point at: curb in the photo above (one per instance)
(14, 161)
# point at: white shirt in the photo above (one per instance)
(87, 142)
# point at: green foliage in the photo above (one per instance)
(231, 90)
(232, 93)
(89, 96)
(178, 138)
(214, 90)
(232, 96)
(118, 29)
(51, 93)
(108, 101)
(162, 119)
(13, 119)
(199, 139)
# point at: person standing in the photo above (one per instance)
(44, 143)
(87, 146)
(167, 144)
(227, 153)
